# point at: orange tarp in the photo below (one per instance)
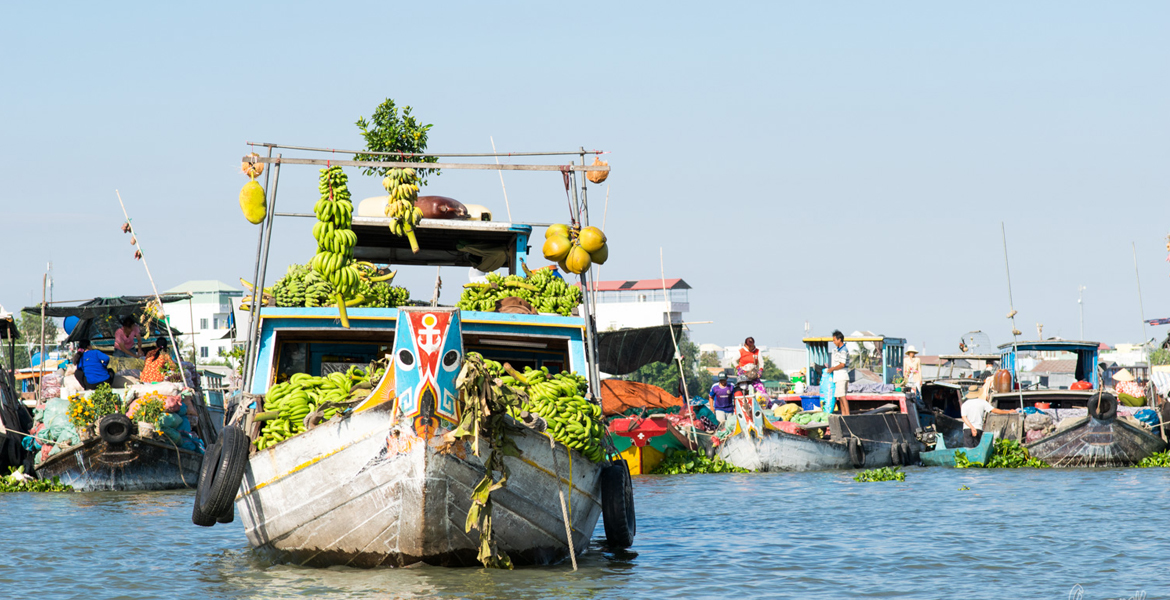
(618, 396)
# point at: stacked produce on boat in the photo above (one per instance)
(336, 239)
(560, 400)
(574, 248)
(302, 286)
(288, 405)
(402, 185)
(542, 289)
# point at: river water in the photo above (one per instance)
(1014, 534)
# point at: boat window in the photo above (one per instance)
(319, 353)
(521, 351)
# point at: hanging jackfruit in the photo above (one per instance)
(253, 203)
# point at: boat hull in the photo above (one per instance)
(138, 464)
(362, 493)
(946, 456)
(1094, 443)
(781, 451)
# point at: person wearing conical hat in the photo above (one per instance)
(912, 368)
(975, 409)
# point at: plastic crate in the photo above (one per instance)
(810, 402)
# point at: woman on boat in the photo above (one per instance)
(750, 368)
(126, 339)
(92, 369)
(152, 371)
(912, 369)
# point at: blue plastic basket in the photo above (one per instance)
(810, 402)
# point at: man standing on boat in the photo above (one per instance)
(836, 375)
(975, 409)
(721, 398)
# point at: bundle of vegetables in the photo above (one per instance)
(543, 289)
(1008, 454)
(303, 286)
(559, 399)
(287, 404)
(882, 474)
(810, 417)
(18, 481)
(679, 462)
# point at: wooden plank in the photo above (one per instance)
(417, 165)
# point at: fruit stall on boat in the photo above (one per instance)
(409, 432)
(1083, 426)
(125, 435)
(876, 427)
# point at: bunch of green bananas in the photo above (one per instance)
(302, 286)
(335, 237)
(546, 292)
(287, 404)
(402, 185)
(559, 399)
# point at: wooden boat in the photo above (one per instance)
(389, 482)
(124, 461)
(1099, 439)
(644, 442)
(942, 456)
(136, 464)
(383, 487)
(856, 441)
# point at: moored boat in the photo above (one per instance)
(406, 473)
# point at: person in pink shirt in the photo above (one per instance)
(127, 339)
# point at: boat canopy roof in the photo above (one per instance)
(485, 245)
(118, 306)
(969, 357)
(1051, 346)
(860, 338)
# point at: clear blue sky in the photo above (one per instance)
(844, 163)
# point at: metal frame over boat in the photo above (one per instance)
(388, 482)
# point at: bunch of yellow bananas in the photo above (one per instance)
(402, 185)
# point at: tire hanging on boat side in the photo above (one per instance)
(910, 451)
(209, 457)
(617, 505)
(216, 494)
(115, 428)
(896, 454)
(1103, 407)
(856, 452)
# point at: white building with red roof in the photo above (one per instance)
(640, 303)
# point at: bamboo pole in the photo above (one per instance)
(1012, 316)
(1142, 311)
(258, 285)
(682, 374)
(161, 307)
(40, 380)
(244, 370)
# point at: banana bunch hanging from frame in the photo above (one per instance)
(402, 185)
(336, 239)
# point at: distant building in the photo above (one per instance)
(640, 303)
(208, 315)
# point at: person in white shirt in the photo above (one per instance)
(975, 410)
(836, 376)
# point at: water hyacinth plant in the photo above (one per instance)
(882, 474)
(679, 462)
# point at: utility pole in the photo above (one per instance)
(1081, 305)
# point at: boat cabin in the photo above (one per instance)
(1081, 358)
(879, 354)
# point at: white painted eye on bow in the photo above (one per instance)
(405, 359)
(451, 360)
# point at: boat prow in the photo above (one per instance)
(355, 492)
(1090, 442)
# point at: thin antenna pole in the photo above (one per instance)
(41, 379)
(1141, 307)
(1081, 305)
(682, 374)
(1012, 316)
(161, 306)
(506, 205)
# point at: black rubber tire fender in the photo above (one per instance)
(1103, 407)
(229, 516)
(115, 428)
(209, 458)
(216, 494)
(896, 453)
(910, 451)
(856, 453)
(617, 505)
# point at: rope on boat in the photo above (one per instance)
(560, 490)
